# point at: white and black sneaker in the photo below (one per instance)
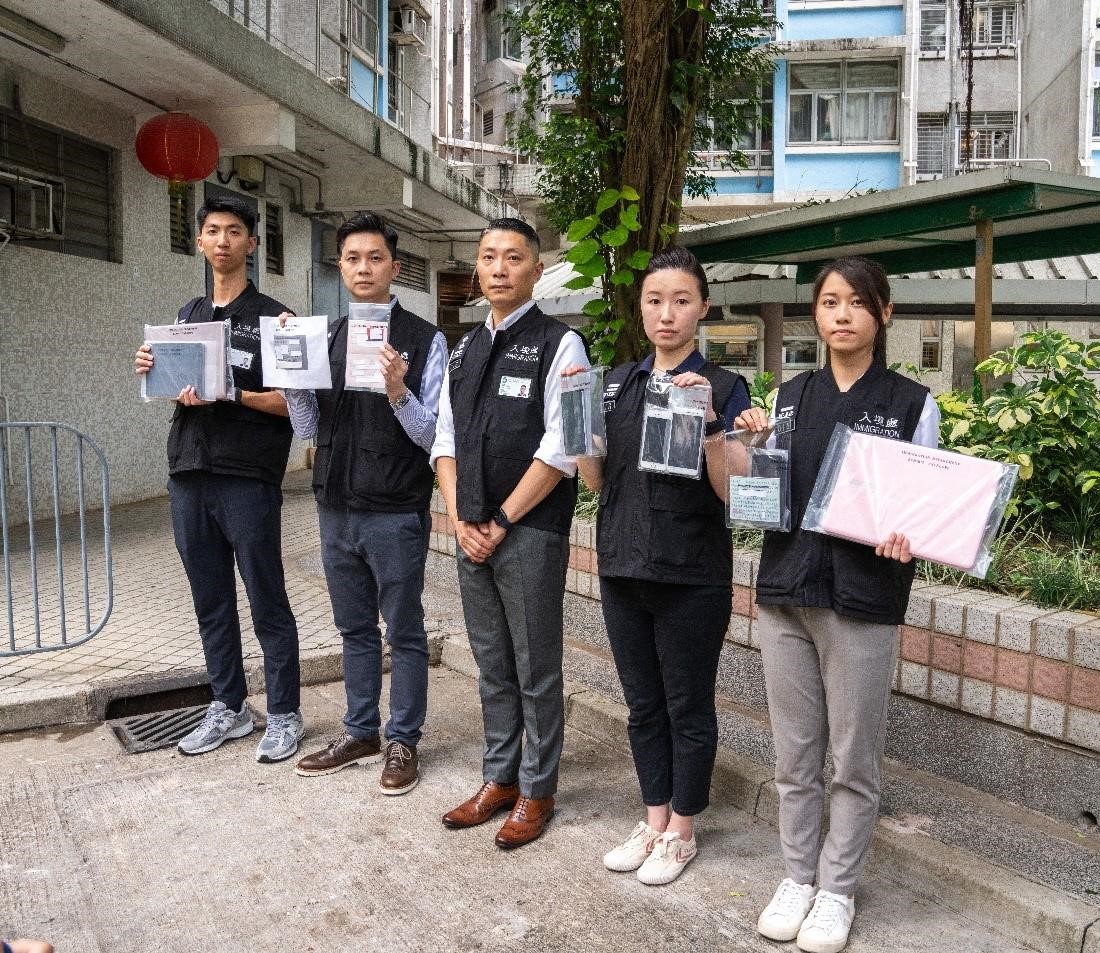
(220, 723)
(281, 737)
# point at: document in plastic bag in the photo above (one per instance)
(672, 428)
(949, 505)
(175, 366)
(217, 374)
(296, 354)
(582, 418)
(368, 332)
(761, 500)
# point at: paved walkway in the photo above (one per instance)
(152, 630)
(112, 853)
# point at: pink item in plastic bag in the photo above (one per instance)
(948, 504)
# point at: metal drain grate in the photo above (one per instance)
(161, 729)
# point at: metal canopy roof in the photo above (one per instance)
(923, 227)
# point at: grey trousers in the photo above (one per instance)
(828, 680)
(512, 604)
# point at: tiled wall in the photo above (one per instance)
(998, 658)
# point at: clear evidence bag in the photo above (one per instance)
(582, 418)
(296, 354)
(672, 428)
(188, 355)
(368, 333)
(949, 505)
(762, 499)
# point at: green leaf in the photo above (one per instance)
(583, 251)
(630, 194)
(582, 227)
(595, 308)
(639, 260)
(608, 198)
(591, 269)
(579, 283)
(617, 237)
(623, 277)
(628, 217)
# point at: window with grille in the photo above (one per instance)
(992, 136)
(931, 340)
(853, 101)
(415, 271)
(994, 24)
(1096, 94)
(488, 123)
(931, 145)
(363, 19)
(181, 219)
(500, 39)
(754, 140)
(933, 25)
(81, 176)
(273, 238)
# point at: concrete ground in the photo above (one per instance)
(105, 852)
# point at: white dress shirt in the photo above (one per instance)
(551, 449)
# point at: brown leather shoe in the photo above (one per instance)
(526, 822)
(490, 798)
(400, 773)
(342, 751)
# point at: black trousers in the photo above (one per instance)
(216, 518)
(666, 640)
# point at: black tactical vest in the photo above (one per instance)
(497, 390)
(225, 437)
(365, 460)
(817, 571)
(652, 526)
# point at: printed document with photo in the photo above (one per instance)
(368, 332)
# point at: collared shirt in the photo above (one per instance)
(551, 449)
(737, 401)
(417, 417)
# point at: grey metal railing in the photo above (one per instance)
(37, 621)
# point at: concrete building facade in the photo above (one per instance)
(321, 109)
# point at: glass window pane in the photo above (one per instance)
(884, 117)
(828, 117)
(800, 118)
(862, 74)
(930, 356)
(815, 76)
(856, 117)
(800, 353)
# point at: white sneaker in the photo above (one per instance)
(788, 908)
(631, 854)
(670, 855)
(825, 929)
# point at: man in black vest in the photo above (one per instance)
(374, 486)
(226, 461)
(510, 492)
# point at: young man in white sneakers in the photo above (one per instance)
(226, 460)
(374, 487)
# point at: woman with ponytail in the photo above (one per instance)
(829, 612)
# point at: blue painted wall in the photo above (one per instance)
(361, 88)
(837, 23)
(743, 184)
(1095, 170)
(840, 171)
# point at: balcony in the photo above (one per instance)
(504, 178)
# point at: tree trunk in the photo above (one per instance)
(662, 42)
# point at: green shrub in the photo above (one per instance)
(1046, 419)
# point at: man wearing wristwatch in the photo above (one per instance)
(374, 486)
(226, 461)
(510, 492)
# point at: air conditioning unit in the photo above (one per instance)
(31, 204)
(409, 27)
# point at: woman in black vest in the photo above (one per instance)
(665, 563)
(829, 611)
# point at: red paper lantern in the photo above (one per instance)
(177, 147)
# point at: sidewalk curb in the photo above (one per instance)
(1044, 918)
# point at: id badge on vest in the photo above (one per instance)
(784, 420)
(515, 387)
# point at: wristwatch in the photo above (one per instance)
(501, 519)
(401, 401)
(715, 426)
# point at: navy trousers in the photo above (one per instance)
(217, 519)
